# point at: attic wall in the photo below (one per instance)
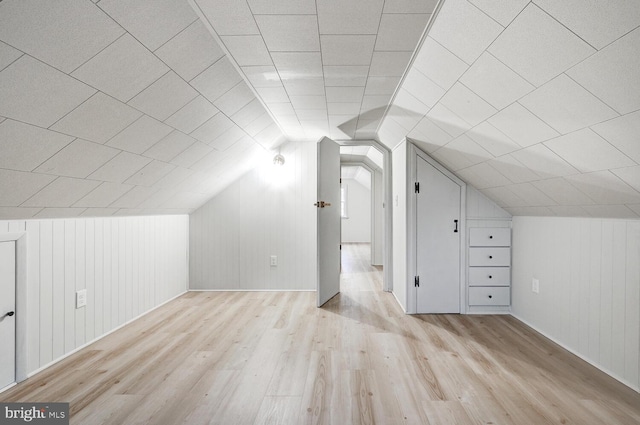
(234, 234)
(127, 265)
(589, 298)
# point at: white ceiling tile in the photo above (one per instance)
(228, 138)
(208, 162)
(429, 135)
(308, 102)
(247, 50)
(164, 97)
(173, 178)
(543, 161)
(389, 64)
(566, 106)
(38, 28)
(483, 176)
(467, 105)
(191, 155)
(422, 88)
(192, 115)
(622, 133)
(8, 55)
(98, 119)
(24, 146)
(140, 135)
(283, 7)
(190, 52)
(347, 49)
(281, 109)
(439, 64)
(409, 6)
(249, 113)
(598, 23)
(381, 85)
(464, 30)
(513, 169)
(78, 159)
(538, 47)
(120, 168)
(345, 76)
(150, 174)
(400, 31)
(170, 146)
(36, 93)
(133, 198)
(305, 86)
(501, 11)
(312, 114)
(98, 212)
(289, 33)
(522, 126)
(235, 99)
(62, 192)
(343, 108)
(391, 133)
(530, 211)
(562, 192)
(60, 212)
(610, 211)
(605, 188)
(122, 70)
(103, 195)
(503, 196)
(345, 94)
(217, 79)
(298, 65)
(349, 16)
(273, 94)
(568, 211)
(630, 175)
(159, 197)
(153, 26)
(213, 128)
(495, 82)
(621, 62)
(262, 76)
(492, 139)
(407, 110)
(228, 17)
(374, 102)
(587, 151)
(269, 137)
(532, 195)
(17, 186)
(635, 208)
(447, 120)
(10, 213)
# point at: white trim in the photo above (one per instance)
(575, 353)
(251, 290)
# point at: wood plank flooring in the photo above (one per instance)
(274, 358)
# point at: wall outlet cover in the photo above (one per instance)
(81, 298)
(535, 286)
(274, 260)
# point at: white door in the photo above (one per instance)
(438, 241)
(328, 207)
(7, 313)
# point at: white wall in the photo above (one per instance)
(128, 266)
(233, 235)
(357, 227)
(399, 175)
(589, 299)
(377, 233)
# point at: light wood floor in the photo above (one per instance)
(263, 357)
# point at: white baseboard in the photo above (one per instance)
(251, 290)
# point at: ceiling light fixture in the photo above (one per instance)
(278, 160)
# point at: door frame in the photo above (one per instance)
(20, 239)
(387, 253)
(413, 153)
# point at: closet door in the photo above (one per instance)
(438, 247)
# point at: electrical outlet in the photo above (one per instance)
(274, 260)
(535, 285)
(81, 298)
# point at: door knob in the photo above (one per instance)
(11, 313)
(322, 204)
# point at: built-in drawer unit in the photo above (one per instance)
(489, 295)
(489, 277)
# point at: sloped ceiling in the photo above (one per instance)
(537, 104)
(153, 106)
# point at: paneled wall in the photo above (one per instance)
(128, 266)
(267, 212)
(400, 183)
(589, 298)
(357, 227)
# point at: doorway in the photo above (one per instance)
(7, 313)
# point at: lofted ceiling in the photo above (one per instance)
(123, 107)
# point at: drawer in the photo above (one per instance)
(490, 257)
(489, 295)
(489, 236)
(493, 276)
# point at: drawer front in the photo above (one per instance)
(488, 295)
(490, 236)
(490, 257)
(493, 276)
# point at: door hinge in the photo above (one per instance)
(416, 281)
(416, 187)
(340, 180)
